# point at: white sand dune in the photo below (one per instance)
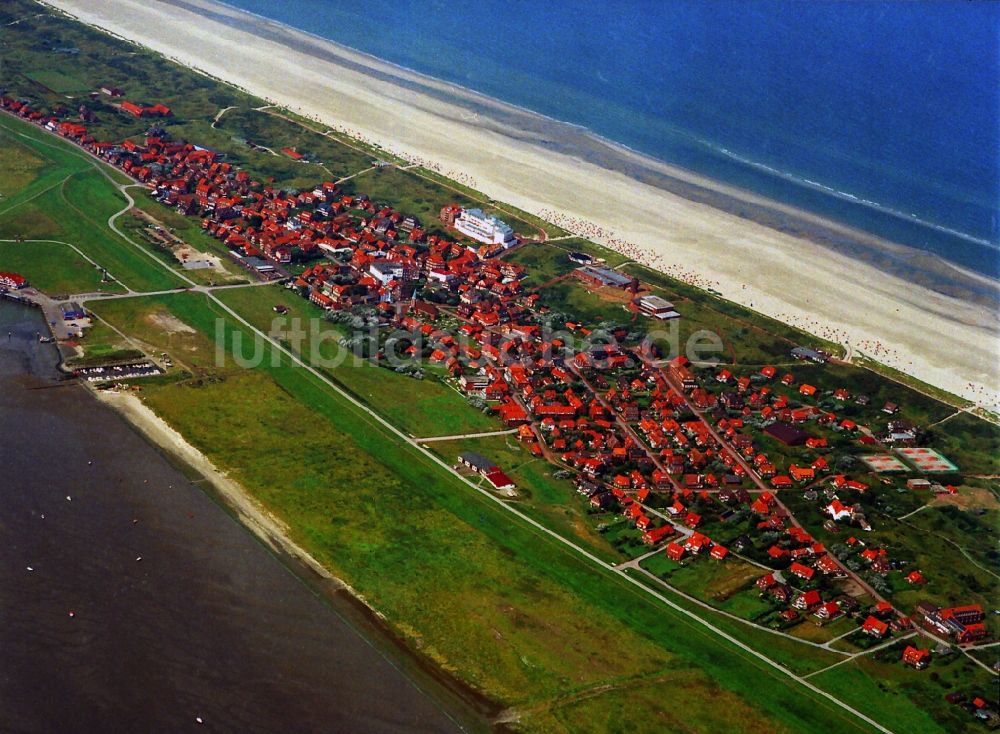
(940, 339)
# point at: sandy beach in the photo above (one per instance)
(903, 316)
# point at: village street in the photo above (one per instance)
(750, 472)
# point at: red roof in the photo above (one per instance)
(875, 627)
(132, 108)
(13, 279)
(915, 656)
(719, 552)
(809, 599)
(499, 480)
(829, 610)
(802, 571)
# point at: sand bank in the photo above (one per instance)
(668, 218)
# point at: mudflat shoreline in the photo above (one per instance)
(909, 311)
(470, 708)
(133, 602)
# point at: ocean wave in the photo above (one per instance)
(848, 196)
(477, 97)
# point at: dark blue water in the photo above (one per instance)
(881, 115)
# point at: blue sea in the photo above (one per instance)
(881, 115)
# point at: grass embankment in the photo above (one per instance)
(915, 696)
(421, 407)
(69, 200)
(468, 583)
(54, 268)
(540, 495)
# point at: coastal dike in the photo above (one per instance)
(853, 294)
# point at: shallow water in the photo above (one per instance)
(207, 624)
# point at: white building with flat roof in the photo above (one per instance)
(385, 271)
(658, 308)
(484, 227)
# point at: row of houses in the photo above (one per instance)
(963, 623)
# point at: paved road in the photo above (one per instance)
(463, 435)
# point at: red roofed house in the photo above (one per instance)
(807, 600)
(719, 552)
(499, 480)
(133, 109)
(802, 473)
(12, 281)
(777, 553)
(675, 552)
(875, 627)
(829, 610)
(766, 582)
(697, 542)
(915, 577)
(654, 536)
(883, 609)
(839, 511)
(803, 572)
(827, 565)
(781, 482)
(916, 657)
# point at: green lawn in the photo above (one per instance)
(423, 408)
(334, 159)
(550, 500)
(450, 550)
(53, 268)
(159, 324)
(19, 166)
(705, 578)
(60, 82)
(70, 201)
(747, 338)
(915, 698)
(545, 262)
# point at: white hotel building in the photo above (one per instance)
(484, 227)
